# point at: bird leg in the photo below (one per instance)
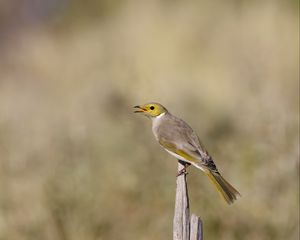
(183, 170)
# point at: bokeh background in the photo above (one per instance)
(76, 163)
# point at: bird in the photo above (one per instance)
(182, 142)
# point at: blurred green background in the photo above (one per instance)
(76, 163)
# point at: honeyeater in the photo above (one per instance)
(181, 141)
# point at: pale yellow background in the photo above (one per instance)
(77, 164)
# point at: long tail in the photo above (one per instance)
(228, 192)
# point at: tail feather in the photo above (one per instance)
(228, 192)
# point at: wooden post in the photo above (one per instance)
(181, 223)
(196, 228)
(184, 228)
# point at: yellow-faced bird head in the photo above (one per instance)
(151, 109)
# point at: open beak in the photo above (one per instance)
(140, 109)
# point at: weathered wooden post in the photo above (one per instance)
(196, 232)
(184, 227)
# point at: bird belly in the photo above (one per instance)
(184, 159)
(177, 156)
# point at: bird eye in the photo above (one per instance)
(152, 107)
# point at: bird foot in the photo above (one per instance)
(182, 171)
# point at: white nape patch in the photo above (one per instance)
(183, 159)
(158, 117)
(155, 120)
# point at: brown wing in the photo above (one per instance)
(207, 160)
